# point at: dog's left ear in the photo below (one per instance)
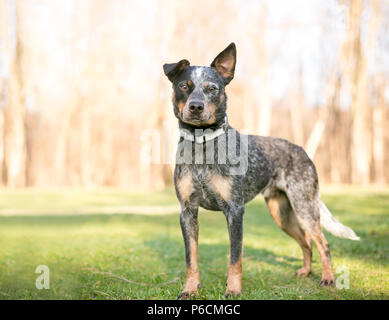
(225, 63)
(173, 69)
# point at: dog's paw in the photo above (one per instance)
(232, 294)
(187, 293)
(234, 286)
(183, 295)
(327, 280)
(303, 272)
(327, 283)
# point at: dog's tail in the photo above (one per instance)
(334, 226)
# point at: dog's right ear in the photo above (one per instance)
(173, 69)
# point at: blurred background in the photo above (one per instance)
(83, 99)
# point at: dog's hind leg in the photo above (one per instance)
(307, 212)
(327, 278)
(286, 219)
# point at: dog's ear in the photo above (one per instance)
(172, 69)
(225, 63)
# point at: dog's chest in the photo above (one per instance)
(202, 174)
(207, 180)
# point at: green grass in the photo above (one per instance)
(88, 245)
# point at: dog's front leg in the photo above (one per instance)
(190, 232)
(235, 230)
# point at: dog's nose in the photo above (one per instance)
(196, 106)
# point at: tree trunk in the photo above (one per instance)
(15, 149)
(356, 61)
(1, 143)
(296, 113)
(379, 123)
(335, 142)
(265, 107)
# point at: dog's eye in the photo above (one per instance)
(183, 86)
(212, 89)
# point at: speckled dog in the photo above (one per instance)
(204, 175)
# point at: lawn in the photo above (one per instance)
(115, 244)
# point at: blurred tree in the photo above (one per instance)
(297, 111)
(261, 65)
(15, 149)
(356, 59)
(379, 125)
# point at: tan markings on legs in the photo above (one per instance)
(285, 218)
(275, 205)
(324, 251)
(234, 278)
(185, 187)
(306, 247)
(222, 186)
(192, 271)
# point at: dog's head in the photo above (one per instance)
(199, 98)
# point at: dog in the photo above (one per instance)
(274, 167)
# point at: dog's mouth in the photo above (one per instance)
(197, 120)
